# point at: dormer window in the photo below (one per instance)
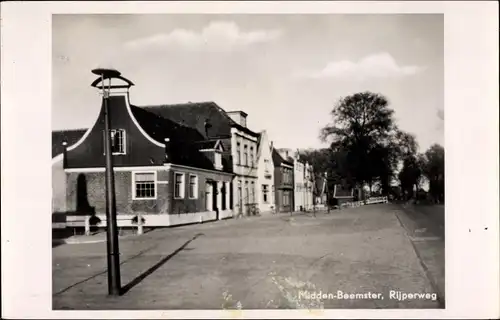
(214, 152)
(218, 160)
(118, 141)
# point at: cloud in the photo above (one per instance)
(217, 34)
(380, 65)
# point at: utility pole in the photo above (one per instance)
(113, 252)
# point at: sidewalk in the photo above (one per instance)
(250, 263)
(96, 237)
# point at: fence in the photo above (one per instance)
(372, 200)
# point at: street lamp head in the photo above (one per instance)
(106, 73)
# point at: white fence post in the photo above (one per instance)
(140, 229)
(87, 225)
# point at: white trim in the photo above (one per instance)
(207, 150)
(102, 169)
(173, 165)
(127, 106)
(218, 145)
(134, 120)
(182, 193)
(242, 134)
(286, 165)
(162, 182)
(324, 186)
(155, 173)
(57, 158)
(195, 188)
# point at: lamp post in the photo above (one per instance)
(113, 252)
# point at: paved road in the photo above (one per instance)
(263, 262)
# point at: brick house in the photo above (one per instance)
(265, 180)
(283, 182)
(239, 143)
(168, 172)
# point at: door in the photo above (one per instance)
(214, 199)
(208, 196)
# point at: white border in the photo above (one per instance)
(471, 80)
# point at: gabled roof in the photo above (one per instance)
(70, 136)
(184, 142)
(278, 159)
(159, 127)
(260, 143)
(195, 114)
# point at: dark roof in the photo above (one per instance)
(160, 128)
(70, 136)
(184, 145)
(195, 114)
(206, 144)
(278, 159)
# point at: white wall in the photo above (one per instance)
(243, 173)
(265, 178)
(58, 186)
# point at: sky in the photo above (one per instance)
(285, 71)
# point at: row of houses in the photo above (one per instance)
(177, 164)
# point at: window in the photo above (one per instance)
(193, 186)
(265, 193)
(144, 185)
(218, 161)
(238, 153)
(251, 157)
(246, 192)
(286, 198)
(252, 193)
(179, 185)
(245, 155)
(266, 165)
(118, 141)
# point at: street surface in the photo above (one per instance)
(270, 262)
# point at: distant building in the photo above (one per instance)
(308, 186)
(283, 181)
(321, 191)
(265, 176)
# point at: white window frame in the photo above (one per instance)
(124, 142)
(134, 186)
(238, 153)
(182, 192)
(218, 160)
(195, 196)
(245, 155)
(265, 193)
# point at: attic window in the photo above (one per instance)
(218, 160)
(118, 141)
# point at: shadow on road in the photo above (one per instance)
(160, 263)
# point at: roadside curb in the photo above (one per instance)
(86, 241)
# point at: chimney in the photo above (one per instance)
(65, 150)
(239, 117)
(207, 126)
(167, 150)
